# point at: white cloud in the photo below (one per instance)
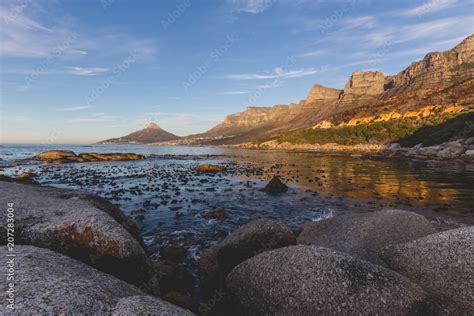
(74, 108)
(50, 38)
(313, 53)
(428, 7)
(251, 6)
(234, 92)
(272, 85)
(277, 73)
(434, 30)
(81, 71)
(361, 21)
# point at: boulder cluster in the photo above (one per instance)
(76, 253)
(461, 149)
(389, 262)
(65, 156)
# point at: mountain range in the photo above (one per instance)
(441, 79)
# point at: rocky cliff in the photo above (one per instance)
(151, 134)
(320, 93)
(435, 71)
(441, 78)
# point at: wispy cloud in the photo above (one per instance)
(26, 31)
(272, 85)
(250, 6)
(234, 92)
(367, 21)
(74, 108)
(435, 30)
(313, 53)
(81, 71)
(277, 73)
(428, 7)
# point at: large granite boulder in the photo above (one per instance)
(147, 305)
(249, 240)
(47, 282)
(310, 280)
(365, 234)
(443, 264)
(79, 225)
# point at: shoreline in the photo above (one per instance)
(461, 150)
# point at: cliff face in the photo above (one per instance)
(151, 134)
(441, 78)
(435, 71)
(322, 94)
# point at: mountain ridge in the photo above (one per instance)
(435, 78)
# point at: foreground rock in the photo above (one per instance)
(50, 283)
(310, 280)
(363, 235)
(443, 264)
(66, 156)
(79, 225)
(210, 168)
(249, 240)
(275, 186)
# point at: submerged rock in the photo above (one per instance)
(173, 252)
(275, 186)
(210, 168)
(310, 280)
(249, 240)
(443, 264)
(365, 234)
(27, 177)
(50, 283)
(65, 156)
(79, 225)
(215, 214)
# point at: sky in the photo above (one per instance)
(82, 71)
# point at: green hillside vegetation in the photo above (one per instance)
(408, 131)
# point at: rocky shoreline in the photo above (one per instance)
(381, 262)
(459, 150)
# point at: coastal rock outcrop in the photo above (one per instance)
(66, 156)
(47, 282)
(252, 238)
(310, 280)
(441, 263)
(363, 235)
(210, 168)
(79, 225)
(275, 186)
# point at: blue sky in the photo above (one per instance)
(82, 71)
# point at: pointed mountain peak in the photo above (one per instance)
(153, 126)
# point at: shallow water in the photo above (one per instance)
(167, 198)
